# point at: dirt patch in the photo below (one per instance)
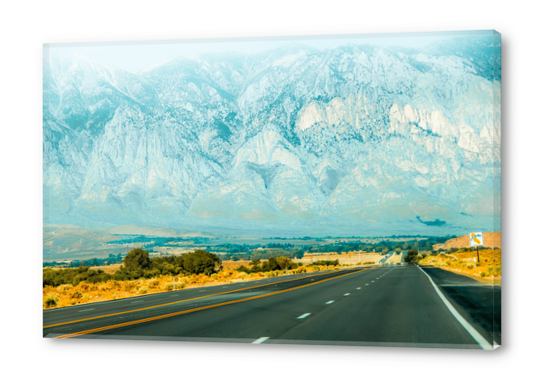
(491, 239)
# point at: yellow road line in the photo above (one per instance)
(180, 301)
(195, 309)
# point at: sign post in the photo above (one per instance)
(476, 239)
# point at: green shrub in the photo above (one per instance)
(50, 301)
(325, 263)
(483, 274)
(144, 289)
(76, 295)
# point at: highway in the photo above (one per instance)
(383, 305)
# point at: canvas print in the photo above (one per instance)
(330, 190)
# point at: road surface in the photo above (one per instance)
(389, 305)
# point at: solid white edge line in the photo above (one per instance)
(260, 340)
(468, 327)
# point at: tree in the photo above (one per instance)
(272, 264)
(284, 263)
(137, 259)
(411, 256)
(201, 262)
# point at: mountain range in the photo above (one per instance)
(351, 140)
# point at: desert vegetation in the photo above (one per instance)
(463, 261)
(140, 275)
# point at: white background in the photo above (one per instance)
(25, 26)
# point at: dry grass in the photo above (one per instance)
(67, 295)
(352, 257)
(395, 258)
(111, 269)
(462, 262)
(232, 265)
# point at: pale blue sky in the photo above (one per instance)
(135, 56)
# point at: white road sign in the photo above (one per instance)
(476, 239)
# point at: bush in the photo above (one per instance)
(65, 288)
(136, 259)
(243, 268)
(50, 301)
(483, 274)
(284, 263)
(325, 263)
(76, 295)
(144, 289)
(128, 286)
(411, 256)
(200, 262)
(369, 263)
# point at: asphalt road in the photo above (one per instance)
(390, 305)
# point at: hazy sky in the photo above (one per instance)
(135, 56)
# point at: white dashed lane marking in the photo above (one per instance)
(304, 315)
(86, 310)
(260, 340)
(330, 302)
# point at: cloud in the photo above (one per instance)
(437, 222)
